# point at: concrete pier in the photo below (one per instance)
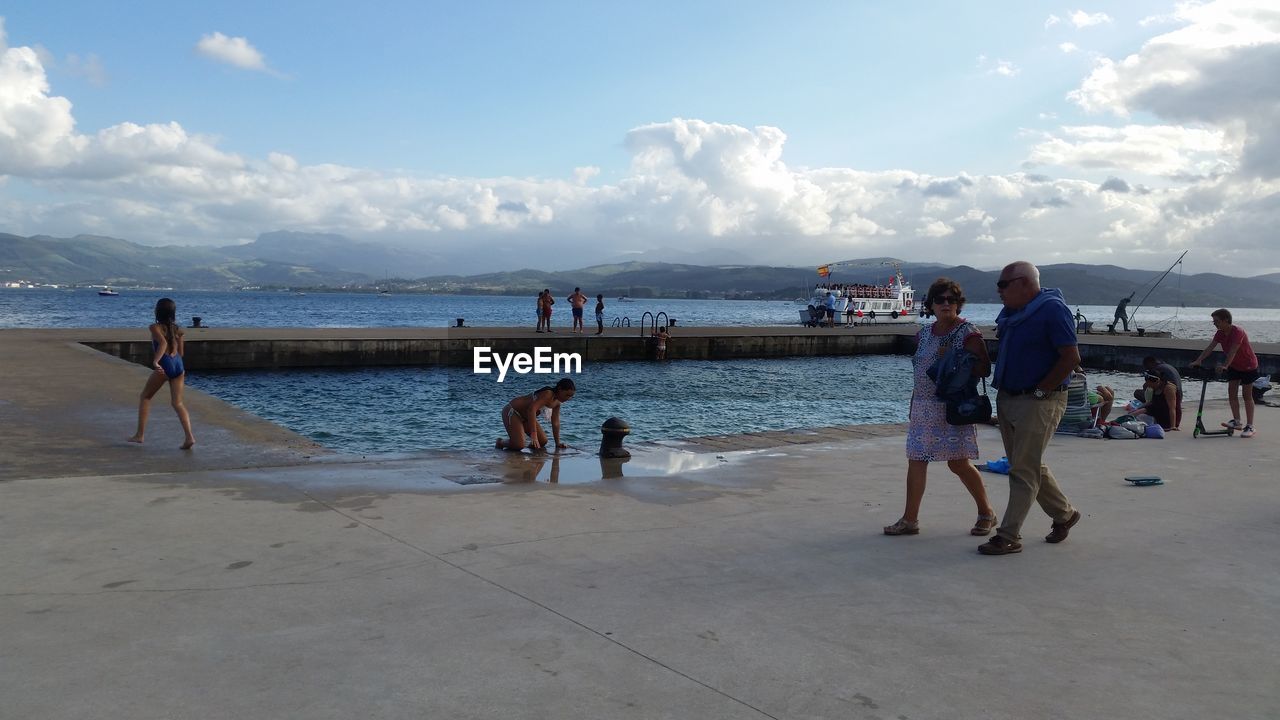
(272, 348)
(260, 576)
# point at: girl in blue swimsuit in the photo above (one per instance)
(166, 365)
(520, 418)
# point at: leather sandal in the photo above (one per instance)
(984, 525)
(903, 527)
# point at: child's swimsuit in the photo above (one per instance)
(171, 364)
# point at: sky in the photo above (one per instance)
(555, 135)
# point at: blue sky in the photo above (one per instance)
(453, 93)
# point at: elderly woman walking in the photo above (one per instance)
(929, 436)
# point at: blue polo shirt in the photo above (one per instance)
(1029, 340)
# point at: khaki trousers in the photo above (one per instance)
(1026, 424)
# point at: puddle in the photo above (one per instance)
(581, 468)
(464, 472)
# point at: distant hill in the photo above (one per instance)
(312, 260)
(97, 260)
(329, 252)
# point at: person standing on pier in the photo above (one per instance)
(547, 302)
(1241, 366)
(600, 314)
(542, 319)
(1122, 314)
(167, 348)
(1037, 354)
(578, 302)
(929, 436)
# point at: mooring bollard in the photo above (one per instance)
(195, 321)
(613, 431)
(459, 320)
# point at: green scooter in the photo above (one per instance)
(1201, 430)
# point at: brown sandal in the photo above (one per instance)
(903, 527)
(984, 526)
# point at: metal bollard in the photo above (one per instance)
(614, 430)
(459, 321)
(195, 321)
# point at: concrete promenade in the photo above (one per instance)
(259, 576)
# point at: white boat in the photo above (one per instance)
(624, 298)
(107, 292)
(858, 303)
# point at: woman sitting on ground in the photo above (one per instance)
(520, 418)
(929, 436)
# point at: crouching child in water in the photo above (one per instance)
(520, 418)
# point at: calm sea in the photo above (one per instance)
(392, 410)
(133, 308)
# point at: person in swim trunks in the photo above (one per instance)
(166, 364)
(577, 301)
(520, 418)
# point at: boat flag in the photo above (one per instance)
(824, 270)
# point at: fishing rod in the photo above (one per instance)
(1175, 264)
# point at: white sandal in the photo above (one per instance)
(903, 527)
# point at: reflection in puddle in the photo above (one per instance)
(578, 468)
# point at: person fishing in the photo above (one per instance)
(1122, 314)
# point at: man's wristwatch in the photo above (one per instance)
(1039, 394)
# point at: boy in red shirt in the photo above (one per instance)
(1241, 366)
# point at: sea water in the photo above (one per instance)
(394, 410)
(82, 307)
(388, 410)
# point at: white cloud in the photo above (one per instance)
(89, 67)
(1082, 19)
(1217, 70)
(1157, 20)
(234, 51)
(934, 228)
(1003, 68)
(691, 184)
(1051, 21)
(1163, 150)
(1068, 47)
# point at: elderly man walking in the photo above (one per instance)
(1036, 356)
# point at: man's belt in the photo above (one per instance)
(1028, 391)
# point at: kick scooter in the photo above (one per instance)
(1200, 430)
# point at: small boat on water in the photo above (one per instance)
(857, 302)
(624, 298)
(106, 291)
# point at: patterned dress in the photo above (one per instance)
(929, 436)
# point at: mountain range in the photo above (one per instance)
(323, 261)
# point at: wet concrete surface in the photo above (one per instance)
(726, 577)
